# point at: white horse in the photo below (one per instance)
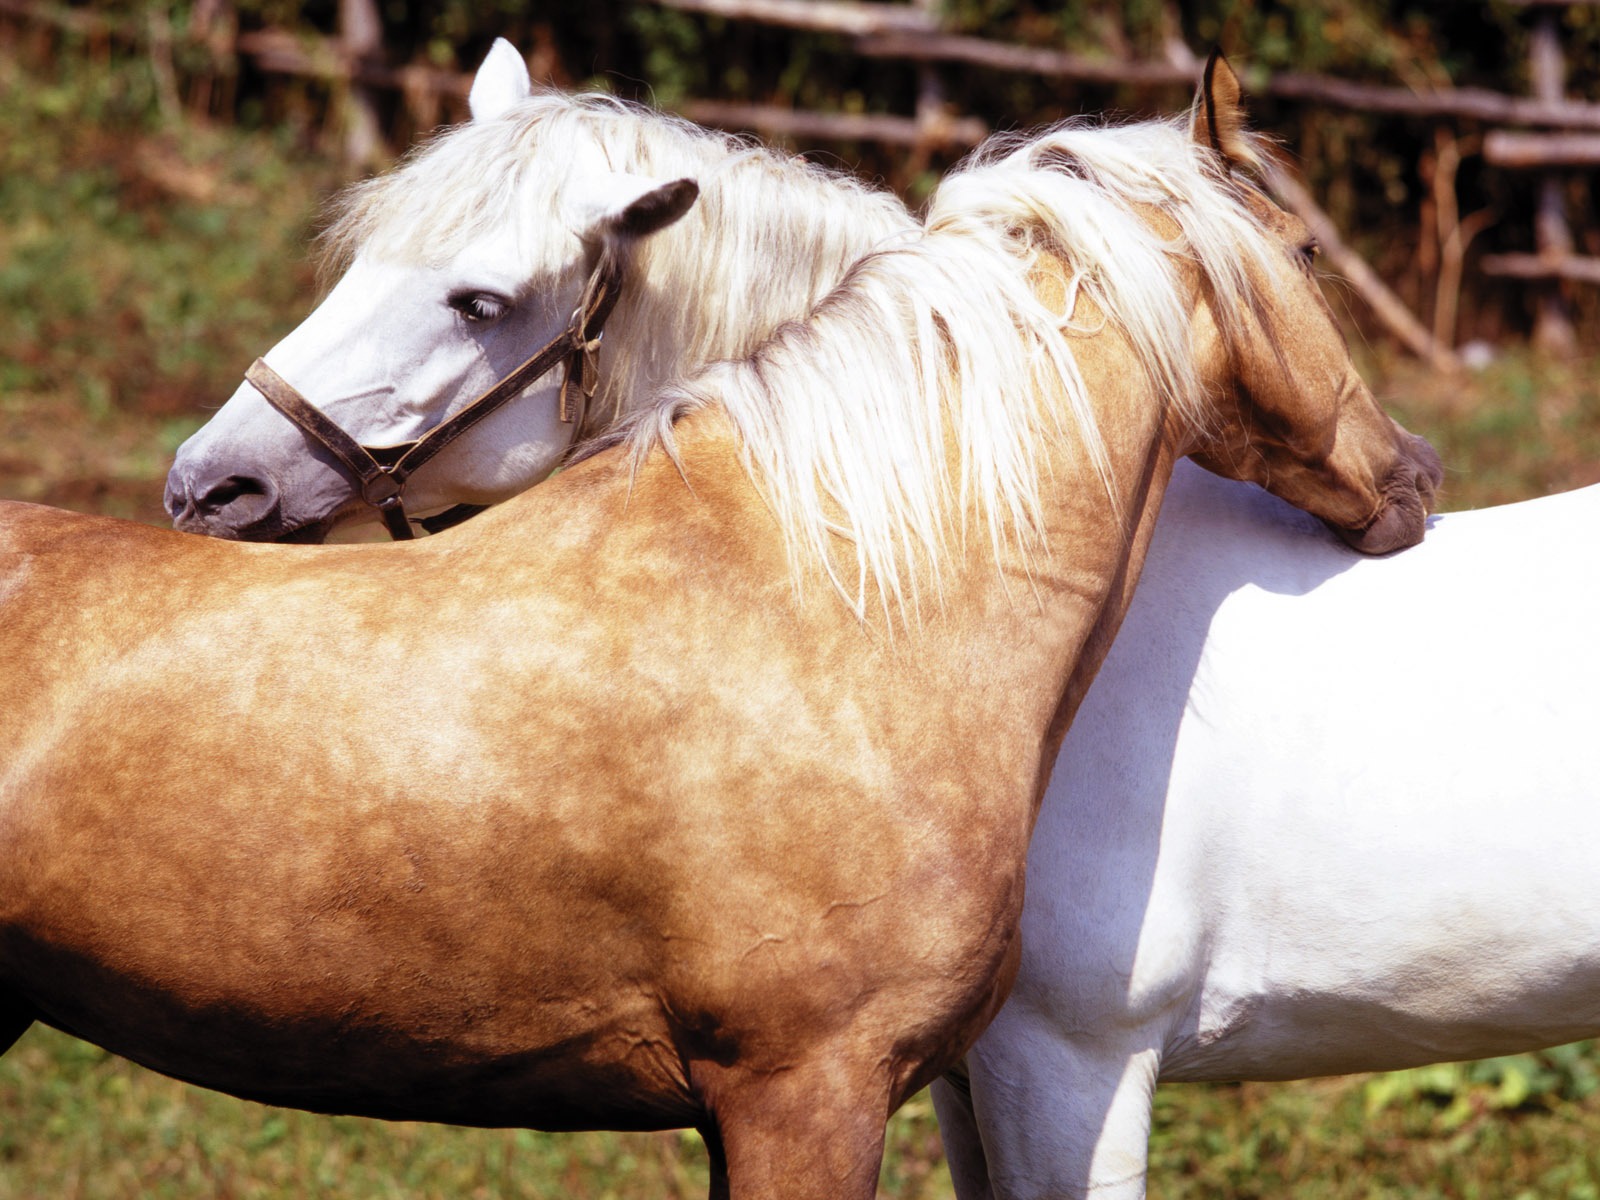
(1319, 814)
(478, 249)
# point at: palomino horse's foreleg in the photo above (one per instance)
(799, 1135)
(963, 1147)
(15, 1017)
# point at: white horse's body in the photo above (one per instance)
(1257, 859)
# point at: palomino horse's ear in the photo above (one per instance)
(1217, 120)
(501, 83)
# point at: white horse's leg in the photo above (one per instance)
(1061, 1117)
(963, 1148)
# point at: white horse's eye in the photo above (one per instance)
(480, 307)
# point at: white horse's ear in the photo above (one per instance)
(501, 83)
(628, 206)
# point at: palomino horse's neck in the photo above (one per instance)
(1018, 638)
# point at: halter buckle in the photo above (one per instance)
(382, 490)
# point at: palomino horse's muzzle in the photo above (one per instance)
(381, 472)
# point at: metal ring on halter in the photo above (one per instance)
(377, 498)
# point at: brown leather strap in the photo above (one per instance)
(382, 471)
(379, 485)
(283, 397)
(576, 344)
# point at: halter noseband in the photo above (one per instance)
(381, 472)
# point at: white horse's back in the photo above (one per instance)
(1318, 814)
(1430, 840)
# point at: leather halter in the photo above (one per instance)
(381, 472)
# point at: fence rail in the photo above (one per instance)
(1543, 132)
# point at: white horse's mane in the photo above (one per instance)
(844, 416)
(768, 238)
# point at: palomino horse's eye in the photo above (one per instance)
(481, 307)
(1308, 251)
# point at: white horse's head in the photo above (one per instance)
(476, 252)
(413, 331)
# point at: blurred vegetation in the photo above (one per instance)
(146, 255)
(143, 264)
(1379, 176)
(81, 1124)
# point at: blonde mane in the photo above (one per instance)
(769, 237)
(1087, 193)
(844, 416)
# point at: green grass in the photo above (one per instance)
(76, 1121)
(1524, 426)
(141, 268)
(81, 1122)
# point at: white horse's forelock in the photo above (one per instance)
(844, 416)
(767, 239)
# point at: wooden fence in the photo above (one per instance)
(1546, 132)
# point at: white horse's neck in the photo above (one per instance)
(766, 242)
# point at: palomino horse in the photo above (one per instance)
(1266, 854)
(660, 832)
(478, 249)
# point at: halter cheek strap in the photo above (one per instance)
(381, 472)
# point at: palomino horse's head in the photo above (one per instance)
(1155, 252)
(477, 252)
(1296, 416)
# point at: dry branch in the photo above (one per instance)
(277, 52)
(1537, 266)
(1027, 60)
(846, 127)
(1508, 148)
(1475, 103)
(818, 16)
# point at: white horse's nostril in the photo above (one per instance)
(240, 490)
(225, 506)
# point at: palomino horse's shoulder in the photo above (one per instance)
(38, 533)
(25, 526)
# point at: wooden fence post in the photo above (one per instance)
(361, 31)
(1547, 71)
